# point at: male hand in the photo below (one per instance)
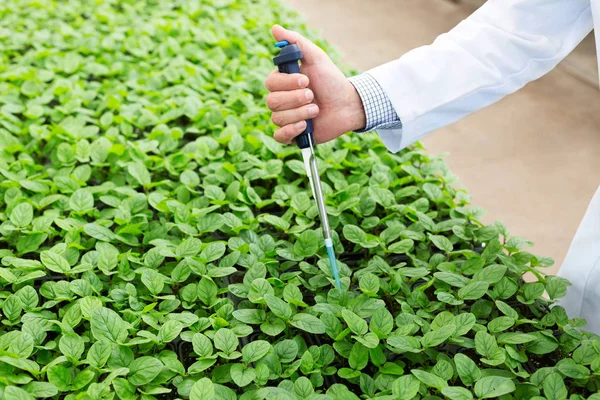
(320, 91)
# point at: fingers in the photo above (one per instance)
(311, 53)
(281, 101)
(288, 133)
(279, 82)
(282, 118)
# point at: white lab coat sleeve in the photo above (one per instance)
(497, 50)
(582, 268)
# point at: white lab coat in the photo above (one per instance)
(496, 51)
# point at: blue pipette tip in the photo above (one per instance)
(282, 44)
(333, 264)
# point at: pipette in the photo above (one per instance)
(288, 63)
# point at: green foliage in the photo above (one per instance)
(156, 242)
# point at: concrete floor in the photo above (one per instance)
(531, 160)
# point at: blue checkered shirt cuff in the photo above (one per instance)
(378, 108)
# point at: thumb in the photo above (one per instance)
(311, 53)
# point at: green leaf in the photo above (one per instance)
(108, 325)
(207, 291)
(293, 295)
(354, 234)
(438, 336)
(202, 345)
(426, 222)
(71, 345)
(542, 345)
(300, 202)
(26, 365)
(443, 369)
(441, 242)
(467, 370)
(286, 350)
(144, 369)
(60, 376)
(354, 322)
(203, 389)
(382, 323)
(22, 215)
(213, 251)
(574, 371)
(506, 309)
(491, 274)
(473, 291)
(31, 242)
(359, 357)
(153, 280)
(139, 172)
(306, 244)
(99, 353)
(472, 265)
(308, 323)
(515, 338)
(452, 279)
(124, 389)
(429, 379)
(12, 307)
(258, 289)
(433, 192)
(381, 196)
(242, 375)
(99, 232)
(169, 331)
(402, 344)
(493, 386)
(41, 389)
(485, 344)
(250, 316)
(226, 341)
(188, 248)
(16, 393)
(278, 307)
(54, 262)
(255, 350)
(457, 393)
(406, 387)
(464, 323)
(82, 379)
(29, 297)
(500, 324)
(21, 345)
(303, 387)
(556, 287)
(401, 247)
(369, 283)
(554, 387)
(81, 201)
(276, 221)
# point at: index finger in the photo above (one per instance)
(279, 82)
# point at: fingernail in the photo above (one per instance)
(308, 94)
(299, 125)
(302, 81)
(312, 110)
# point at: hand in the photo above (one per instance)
(320, 91)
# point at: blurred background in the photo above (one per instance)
(533, 159)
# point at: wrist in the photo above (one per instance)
(355, 110)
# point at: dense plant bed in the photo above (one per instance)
(157, 243)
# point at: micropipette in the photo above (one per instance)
(288, 62)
